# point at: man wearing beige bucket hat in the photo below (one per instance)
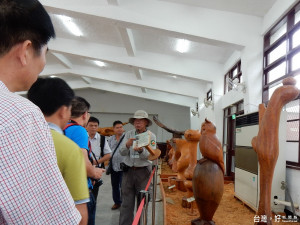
(138, 168)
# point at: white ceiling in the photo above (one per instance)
(136, 39)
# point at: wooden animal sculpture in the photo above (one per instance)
(170, 152)
(192, 137)
(180, 163)
(107, 131)
(176, 133)
(208, 179)
(266, 142)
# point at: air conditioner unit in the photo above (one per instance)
(247, 175)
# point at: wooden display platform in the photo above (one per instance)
(231, 211)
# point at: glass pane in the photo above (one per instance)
(292, 109)
(240, 106)
(281, 31)
(297, 17)
(292, 131)
(235, 72)
(277, 52)
(226, 84)
(296, 62)
(277, 72)
(298, 81)
(296, 39)
(233, 109)
(272, 89)
(292, 151)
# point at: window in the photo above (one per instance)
(235, 75)
(209, 95)
(281, 60)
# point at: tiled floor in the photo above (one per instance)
(106, 216)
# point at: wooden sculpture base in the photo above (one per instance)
(172, 181)
(180, 185)
(185, 203)
(193, 210)
(202, 222)
(208, 185)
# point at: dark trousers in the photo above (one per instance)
(95, 193)
(116, 183)
(133, 182)
(91, 205)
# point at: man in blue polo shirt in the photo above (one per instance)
(75, 131)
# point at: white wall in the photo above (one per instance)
(107, 104)
(293, 183)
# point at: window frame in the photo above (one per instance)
(291, 28)
(232, 77)
(209, 95)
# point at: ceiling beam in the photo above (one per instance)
(189, 89)
(138, 73)
(128, 41)
(138, 14)
(144, 90)
(197, 69)
(62, 59)
(87, 80)
(132, 91)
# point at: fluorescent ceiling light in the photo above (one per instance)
(182, 45)
(52, 76)
(70, 25)
(174, 76)
(99, 63)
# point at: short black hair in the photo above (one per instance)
(22, 20)
(79, 106)
(117, 122)
(94, 119)
(49, 94)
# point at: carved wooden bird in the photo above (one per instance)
(208, 178)
(210, 146)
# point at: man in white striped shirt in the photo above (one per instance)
(32, 188)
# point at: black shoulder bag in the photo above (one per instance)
(102, 143)
(110, 167)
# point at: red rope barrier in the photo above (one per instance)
(149, 181)
(139, 211)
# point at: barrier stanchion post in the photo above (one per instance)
(143, 218)
(141, 201)
(155, 166)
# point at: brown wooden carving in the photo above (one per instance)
(208, 179)
(192, 137)
(209, 144)
(170, 152)
(266, 142)
(176, 133)
(177, 144)
(107, 131)
(181, 150)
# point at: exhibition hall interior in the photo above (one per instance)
(192, 65)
